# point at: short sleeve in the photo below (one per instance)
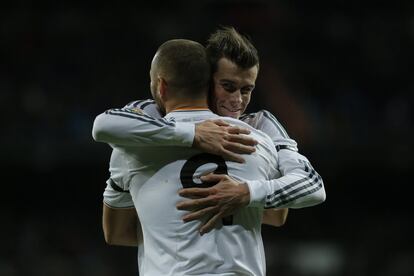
(115, 197)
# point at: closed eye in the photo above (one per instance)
(229, 87)
(247, 89)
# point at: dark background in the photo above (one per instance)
(337, 75)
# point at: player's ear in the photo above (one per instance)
(163, 87)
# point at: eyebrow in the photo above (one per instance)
(234, 82)
(226, 80)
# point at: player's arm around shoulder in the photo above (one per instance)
(292, 165)
(113, 124)
(132, 125)
(296, 168)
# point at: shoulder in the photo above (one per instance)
(237, 122)
(266, 121)
(140, 103)
(266, 116)
(259, 134)
(148, 106)
(256, 119)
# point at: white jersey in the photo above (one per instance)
(172, 247)
(299, 186)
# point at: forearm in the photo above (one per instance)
(123, 127)
(298, 188)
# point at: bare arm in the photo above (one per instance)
(275, 217)
(121, 226)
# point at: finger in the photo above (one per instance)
(194, 192)
(238, 130)
(213, 178)
(239, 148)
(220, 122)
(200, 213)
(210, 224)
(231, 156)
(242, 139)
(195, 204)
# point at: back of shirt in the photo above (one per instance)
(173, 247)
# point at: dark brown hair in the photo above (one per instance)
(228, 43)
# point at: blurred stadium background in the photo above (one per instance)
(337, 74)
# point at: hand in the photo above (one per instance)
(218, 137)
(216, 202)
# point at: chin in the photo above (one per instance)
(225, 113)
(233, 115)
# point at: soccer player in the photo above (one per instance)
(235, 65)
(180, 76)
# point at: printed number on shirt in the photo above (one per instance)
(195, 162)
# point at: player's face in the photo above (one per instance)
(232, 88)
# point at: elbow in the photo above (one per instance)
(95, 135)
(317, 197)
(98, 132)
(109, 233)
(320, 196)
(109, 239)
(283, 217)
(281, 221)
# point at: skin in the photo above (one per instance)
(121, 226)
(232, 92)
(233, 87)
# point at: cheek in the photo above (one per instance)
(246, 99)
(219, 95)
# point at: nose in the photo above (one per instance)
(236, 98)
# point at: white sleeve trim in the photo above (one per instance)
(258, 192)
(117, 199)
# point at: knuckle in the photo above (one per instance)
(225, 144)
(213, 199)
(213, 191)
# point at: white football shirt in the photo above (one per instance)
(175, 248)
(299, 186)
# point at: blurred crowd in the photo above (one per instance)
(338, 76)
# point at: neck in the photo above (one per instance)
(185, 104)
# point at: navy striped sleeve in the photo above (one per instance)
(309, 184)
(138, 114)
